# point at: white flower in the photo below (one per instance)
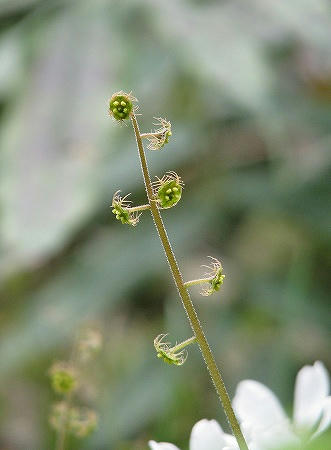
(205, 435)
(260, 412)
(262, 418)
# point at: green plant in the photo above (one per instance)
(163, 194)
(66, 379)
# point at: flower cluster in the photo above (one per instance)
(65, 377)
(168, 190)
(263, 420)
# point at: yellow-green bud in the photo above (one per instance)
(169, 354)
(121, 209)
(121, 105)
(216, 276)
(168, 190)
(63, 378)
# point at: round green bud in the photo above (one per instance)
(121, 105)
(63, 378)
(169, 193)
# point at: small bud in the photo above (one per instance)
(63, 378)
(82, 421)
(171, 355)
(121, 105)
(216, 277)
(168, 190)
(121, 209)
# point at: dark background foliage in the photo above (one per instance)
(247, 87)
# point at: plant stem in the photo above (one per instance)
(198, 281)
(137, 208)
(186, 300)
(183, 344)
(145, 135)
(62, 434)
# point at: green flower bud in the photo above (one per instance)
(121, 209)
(63, 378)
(171, 355)
(168, 190)
(216, 277)
(121, 105)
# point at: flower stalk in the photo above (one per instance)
(138, 208)
(185, 297)
(183, 344)
(197, 281)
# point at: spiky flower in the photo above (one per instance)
(168, 189)
(121, 209)
(215, 275)
(64, 377)
(121, 105)
(159, 137)
(59, 415)
(79, 422)
(171, 355)
(82, 421)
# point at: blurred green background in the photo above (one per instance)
(247, 87)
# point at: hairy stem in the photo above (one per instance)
(137, 208)
(183, 344)
(198, 281)
(186, 300)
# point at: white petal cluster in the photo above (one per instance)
(263, 419)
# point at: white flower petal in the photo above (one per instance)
(161, 446)
(275, 437)
(230, 440)
(257, 406)
(311, 389)
(207, 435)
(326, 416)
